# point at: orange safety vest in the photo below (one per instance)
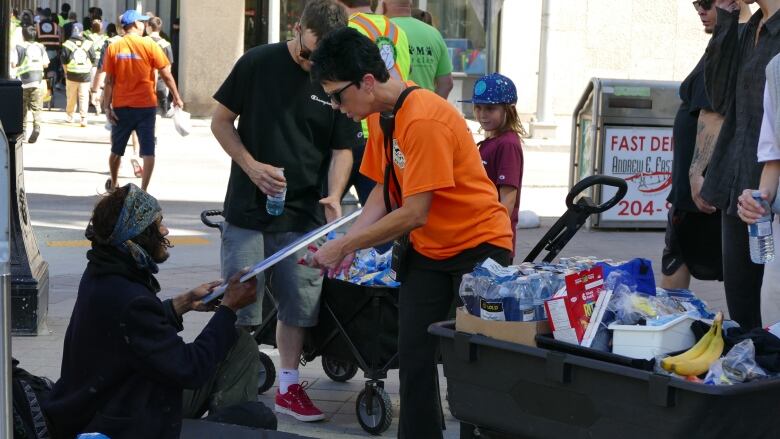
(390, 33)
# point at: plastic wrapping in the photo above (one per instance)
(182, 122)
(738, 366)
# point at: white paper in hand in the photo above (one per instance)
(181, 120)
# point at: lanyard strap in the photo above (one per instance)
(387, 122)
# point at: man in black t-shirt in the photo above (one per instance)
(693, 233)
(290, 139)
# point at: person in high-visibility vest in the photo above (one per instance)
(30, 60)
(78, 57)
(394, 47)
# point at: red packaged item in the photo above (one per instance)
(569, 313)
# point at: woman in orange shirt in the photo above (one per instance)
(438, 193)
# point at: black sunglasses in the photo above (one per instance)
(706, 5)
(335, 97)
(305, 52)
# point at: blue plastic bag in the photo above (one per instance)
(641, 270)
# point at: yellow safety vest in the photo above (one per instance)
(30, 68)
(79, 61)
(389, 37)
(97, 42)
(392, 43)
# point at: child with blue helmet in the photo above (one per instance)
(494, 102)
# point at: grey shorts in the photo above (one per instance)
(295, 287)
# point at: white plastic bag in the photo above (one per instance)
(181, 120)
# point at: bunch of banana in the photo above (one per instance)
(697, 360)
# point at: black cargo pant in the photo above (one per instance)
(741, 277)
(426, 297)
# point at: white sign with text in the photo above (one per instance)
(643, 157)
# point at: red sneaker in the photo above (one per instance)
(297, 404)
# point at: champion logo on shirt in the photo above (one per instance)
(501, 177)
(321, 101)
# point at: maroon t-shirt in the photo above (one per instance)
(503, 160)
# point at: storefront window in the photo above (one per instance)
(290, 13)
(255, 23)
(467, 31)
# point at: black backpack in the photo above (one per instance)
(28, 389)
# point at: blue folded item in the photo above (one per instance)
(641, 270)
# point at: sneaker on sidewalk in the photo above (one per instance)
(83, 122)
(69, 119)
(297, 404)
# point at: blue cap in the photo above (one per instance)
(494, 88)
(131, 16)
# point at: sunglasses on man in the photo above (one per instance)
(305, 52)
(705, 5)
(335, 97)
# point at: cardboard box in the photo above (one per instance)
(515, 332)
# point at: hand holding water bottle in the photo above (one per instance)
(753, 208)
(750, 209)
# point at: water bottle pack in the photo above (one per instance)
(516, 293)
(371, 268)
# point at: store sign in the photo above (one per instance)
(643, 157)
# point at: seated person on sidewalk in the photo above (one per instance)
(494, 102)
(125, 371)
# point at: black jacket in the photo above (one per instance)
(124, 366)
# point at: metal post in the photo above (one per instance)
(544, 126)
(5, 37)
(6, 419)
(274, 20)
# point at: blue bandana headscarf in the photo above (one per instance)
(139, 211)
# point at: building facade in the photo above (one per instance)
(550, 48)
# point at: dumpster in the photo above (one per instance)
(623, 128)
(499, 389)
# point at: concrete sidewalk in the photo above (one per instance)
(68, 166)
(42, 355)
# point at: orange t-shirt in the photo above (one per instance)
(436, 153)
(133, 61)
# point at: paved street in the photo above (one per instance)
(67, 168)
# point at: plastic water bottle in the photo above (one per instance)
(525, 300)
(468, 295)
(490, 304)
(762, 245)
(92, 436)
(274, 204)
(540, 290)
(507, 292)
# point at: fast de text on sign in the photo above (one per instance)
(643, 157)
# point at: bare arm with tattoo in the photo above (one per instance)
(707, 132)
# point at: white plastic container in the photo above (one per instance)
(647, 342)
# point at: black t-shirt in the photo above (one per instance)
(285, 121)
(694, 99)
